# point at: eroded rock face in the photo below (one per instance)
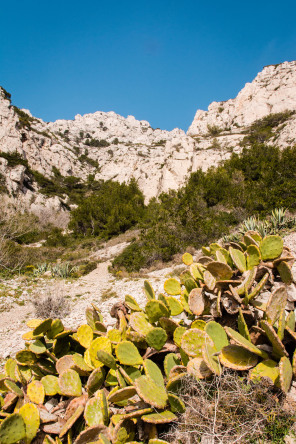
(110, 146)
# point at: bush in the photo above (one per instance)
(51, 307)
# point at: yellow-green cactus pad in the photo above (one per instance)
(209, 280)
(192, 342)
(43, 327)
(253, 256)
(131, 303)
(237, 358)
(93, 414)
(196, 271)
(55, 329)
(286, 374)
(14, 388)
(242, 325)
(217, 333)
(122, 394)
(156, 338)
(172, 287)
(12, 429)
(266, 369)
(209, 353)
(155, 310)
(151, 393)
(170, 360)
(70, 383)
(149, 292)
(198, 323)
(69, 423)
(25, 357)
(153, 372)
(101, 343)
(271, 247)
(239, 259)
(51, 385)
(159, 418)
(176, 403)
(127, 353)
(277, 345)
(275, 304)
(240, 340)
(249, 277)
(139, 322)
(36, 392)
(176, 307)
(123, 432)
(285, 272)
(85, 335)
(178, 333)
(30, 415)
(187, 259)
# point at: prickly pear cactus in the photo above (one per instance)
(107, 383)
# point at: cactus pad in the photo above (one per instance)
(266, 369)
(271, 247)
(152, 371)
(131, 303)
(238, 259)
(187, 259)
(172, 287)
(122, 394)
(12, 429)
(220, 270)
(196, 301)
(97, 344)
(106, 359)
(237, 358)
(209, 352)
(192, 342)
(278, 346)
(217, 333)
(209, 280)
(178, 333)
(36, 392)
(170, 360)
(51, 385)
(286, 374)
(25, 357)
(151, 393)
(176, 307)
(240, 340)
(159, 418)
(30, 415)
(285, 272)
(253, 256)
(149, 292)
(70, 383)
(139, 323)
(93, 414)
(156, 338)
(276, 304)
(242, 326)
(155, 310)
(85, 335)
(127, 353)
(176, 403)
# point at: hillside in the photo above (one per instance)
(108, 146)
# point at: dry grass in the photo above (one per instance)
(51, 307)
(230, 409)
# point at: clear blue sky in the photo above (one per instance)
(157, 60)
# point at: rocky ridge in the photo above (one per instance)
(109, 146)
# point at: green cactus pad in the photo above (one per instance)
(70, 383)
(184, 301)
(249, 277)
(192, 342)
(176, 307)
(285, 272)
(276, 304)
(239, 259)
(56, 328)
(156, 338)
(80, 365)
(170, 360)
(190, 284)
(199, 323)
(217, 333)
(281, 325)
(196, 301)
(155, 310)
(130, 373)
(114, 335)
(266, 369)
(196, 271)
(127, 353)
(43, 327)
(51, 385)
(12, 429)
(25, 357)
(187, 259)
(93, 414)
(97, 344)
(148, 290)
(37, 347)
(253, 256)
(198, 368)
(290, 321)
(209, 352)
(30, 415)
(159, 418)
(271, 247)
(286, 374)
(131, 303)
(162, 298)
(256, 290)
(237, 358)
(172, 287)
(11, 386)
(157, 441)
(242, 326)
(91, 317)
(178, 333)
(123, 432)
(206, 251)
(240, 340)
(151, 393)
(106, 359)
(36, 392)
(122, 394)
(220, 270)
(277, 345)
(153, 372)
(169, 325)
(209, 280)
(176, 403)
(85, 335)
(139, 323)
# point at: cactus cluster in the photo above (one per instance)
(119, 385)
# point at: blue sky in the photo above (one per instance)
(157, 60)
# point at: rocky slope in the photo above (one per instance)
(110, 146)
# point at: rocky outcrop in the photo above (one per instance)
(109, 146)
